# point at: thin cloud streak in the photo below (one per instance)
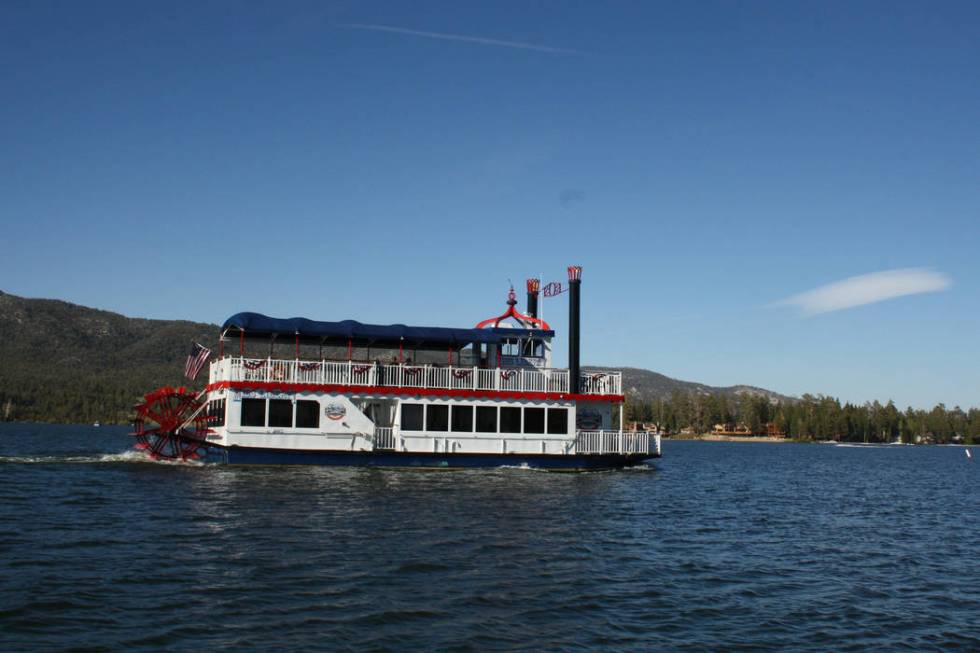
(868, 289)
(459, 37)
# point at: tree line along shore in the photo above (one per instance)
(809, 418)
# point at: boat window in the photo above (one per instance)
(558, 421)
(510, 420)
(436, 417)
(281, 412)
(486, 419)
(411, 417)
(534, 348)
(216, 412)
(463, 418)
(510, 347)
(253, 412)
(534, 420)
(465, 358)
(307, 414)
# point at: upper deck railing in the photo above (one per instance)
(352, 373)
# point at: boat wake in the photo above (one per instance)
(524, 467)
(128, 456)
(642, 468)
(528, 468)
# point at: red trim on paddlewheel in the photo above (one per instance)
(390, 390)
(172, 438)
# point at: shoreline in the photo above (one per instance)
(711, 437)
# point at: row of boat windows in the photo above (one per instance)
(484, 419)
(303, 414)
(281, 413)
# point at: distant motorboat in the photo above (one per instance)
(97, 424)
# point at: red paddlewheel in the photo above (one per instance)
(181, 425)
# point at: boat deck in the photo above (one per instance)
(352, 373)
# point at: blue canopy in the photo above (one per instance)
(258, 325)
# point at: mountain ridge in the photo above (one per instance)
(66, 362)
(648, 385)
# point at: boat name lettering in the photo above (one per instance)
(260, 394)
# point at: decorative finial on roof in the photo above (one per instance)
(525, 320)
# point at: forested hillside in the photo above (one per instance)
(61, 362)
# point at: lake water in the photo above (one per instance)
(718, 546)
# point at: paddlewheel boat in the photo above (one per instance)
(347, 393)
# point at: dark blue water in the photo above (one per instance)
(717, 547)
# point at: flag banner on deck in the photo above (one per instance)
(195, 361)
(552, 289)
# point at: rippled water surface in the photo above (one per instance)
(718, 546)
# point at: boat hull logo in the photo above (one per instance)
(335, 411)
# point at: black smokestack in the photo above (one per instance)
(574, 311)
(533, 286)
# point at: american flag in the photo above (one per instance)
(195, 361)
(553, 289)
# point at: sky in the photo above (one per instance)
(780, 194)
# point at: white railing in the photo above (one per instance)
(384, 437)
(618, 442)
(351, 373)
(601, 382)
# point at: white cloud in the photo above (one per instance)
(459, 37)
(868, 289)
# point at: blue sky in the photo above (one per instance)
(708, 164)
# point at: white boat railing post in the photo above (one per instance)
(326, 372)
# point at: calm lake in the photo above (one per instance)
(718, 546)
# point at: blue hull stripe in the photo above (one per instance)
(258, 456)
